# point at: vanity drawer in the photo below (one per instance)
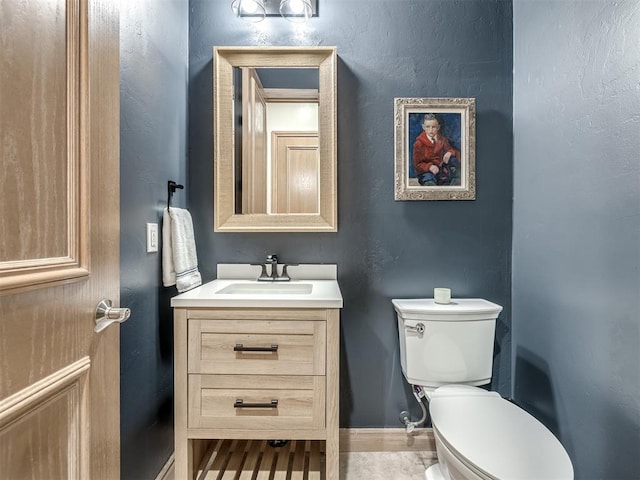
(256, 402)
(270, 347)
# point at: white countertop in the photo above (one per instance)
(325, 292)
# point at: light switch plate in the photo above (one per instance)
(152, 237)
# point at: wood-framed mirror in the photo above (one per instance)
(275, 149)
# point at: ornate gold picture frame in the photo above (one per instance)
(435, 141)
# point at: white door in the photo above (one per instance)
(59, 239)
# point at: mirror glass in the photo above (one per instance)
(274, 144)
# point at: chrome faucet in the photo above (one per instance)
(272, 260)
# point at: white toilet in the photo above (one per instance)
(447, 349)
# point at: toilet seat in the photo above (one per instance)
(495, 438)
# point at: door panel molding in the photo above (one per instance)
(46, 216)
(295, 174)
(57, 403)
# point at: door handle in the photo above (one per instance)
(106, 315)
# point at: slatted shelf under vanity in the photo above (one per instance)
(257, 460)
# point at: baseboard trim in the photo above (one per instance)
(386, 440)
(167, 472)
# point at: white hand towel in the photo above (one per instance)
(168, 269)
(179, 258)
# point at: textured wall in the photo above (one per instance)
(154, 59)
(384, 249)
(576, 240)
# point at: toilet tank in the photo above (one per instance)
(456, 345)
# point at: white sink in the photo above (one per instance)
(312, 286)
(264, 288)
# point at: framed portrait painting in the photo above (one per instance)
(435, 141)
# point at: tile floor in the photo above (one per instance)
(385, 465)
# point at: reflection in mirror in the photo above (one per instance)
(275, 139)
(276, 154)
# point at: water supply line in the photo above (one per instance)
(405, 417)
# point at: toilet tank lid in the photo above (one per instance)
(459, 309)
(498, 437)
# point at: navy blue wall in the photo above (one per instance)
(384, 249)
(576, 233)
(153, 140)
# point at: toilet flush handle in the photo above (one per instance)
(419, 328)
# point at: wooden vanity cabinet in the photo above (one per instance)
(252, 374)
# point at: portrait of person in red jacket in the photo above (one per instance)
(435, 161)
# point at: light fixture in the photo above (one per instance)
(251, 10)
(296, 10)
(292, 10)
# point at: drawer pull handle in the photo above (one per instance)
(239, 403)
(239, 347)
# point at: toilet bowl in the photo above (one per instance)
(447, 351)
(481, 436)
